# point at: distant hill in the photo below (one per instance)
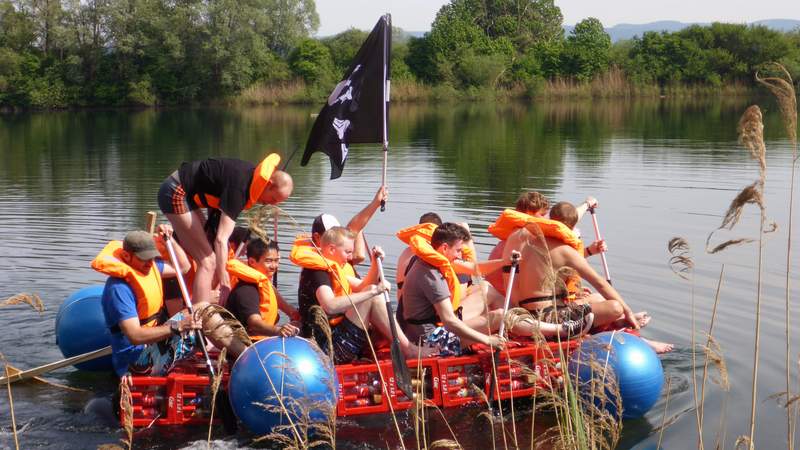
(623, 31)
(627, 31)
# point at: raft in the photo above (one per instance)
(184, 396)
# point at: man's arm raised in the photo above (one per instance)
(359, 222)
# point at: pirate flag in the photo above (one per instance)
(356, 111)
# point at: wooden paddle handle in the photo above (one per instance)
(150, 221)
(31, 373)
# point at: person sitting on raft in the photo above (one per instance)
(254, 301)
(143, 340)
(407, 255)
(344, 299)
(224, 184)
(432, 296)
(562, 249)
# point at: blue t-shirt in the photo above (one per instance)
(119, 303)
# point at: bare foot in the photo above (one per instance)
(643, 318)
(659, 347)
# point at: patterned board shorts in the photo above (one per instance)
(172, 197)
(562, 312)
(158, 359)
(348, 341)
(448, 343)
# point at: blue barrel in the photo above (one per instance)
(636, 366)
(81, 328)
(281, 378)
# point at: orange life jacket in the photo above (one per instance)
(267, 300)
(261, 176)
(306, 255)
(147, 288)
(511, 220)
(418, 237)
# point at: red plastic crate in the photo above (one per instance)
(360, 390)
(459, 376)
(428, 368)
(177, 399)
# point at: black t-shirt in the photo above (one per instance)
(310, 280)
(225, 178)
(243, 302)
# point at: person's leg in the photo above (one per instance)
(374, 313)
(189, 228)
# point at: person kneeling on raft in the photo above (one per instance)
(143, 340)
(345, 300)
(254, 301)
(432, 297)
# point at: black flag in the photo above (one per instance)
(356, 111)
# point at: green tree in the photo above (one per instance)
(312, 61)
(587, 50)
(344, 46)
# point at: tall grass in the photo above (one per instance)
(782, 86)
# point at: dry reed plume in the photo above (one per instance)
(304, 428)
(126, 406)
(33, 300)
(782, 86)
(215, 384)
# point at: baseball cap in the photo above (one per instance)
(141, 244)
(323, 223)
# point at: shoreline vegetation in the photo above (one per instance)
(59, 54)
(610, 85)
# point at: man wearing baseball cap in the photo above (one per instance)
(133, 306)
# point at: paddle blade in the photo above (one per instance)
(402, 376)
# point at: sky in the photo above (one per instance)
(416, 15)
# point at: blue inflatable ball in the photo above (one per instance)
(636, 366)
(277, 376)
(81, 328)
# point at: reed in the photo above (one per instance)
(215, 384)
(10, 403)
(782, 87)
(32, 300)
(294, 224)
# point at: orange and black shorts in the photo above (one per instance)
(172, 197)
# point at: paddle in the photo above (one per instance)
(402, 375)
(597, 235)
(35, 372)
(514, 267)
(187, 301)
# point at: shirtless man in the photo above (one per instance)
(432, 305)
(542, 254)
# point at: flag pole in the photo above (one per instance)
(386, 36)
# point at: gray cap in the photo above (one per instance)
(141, 244)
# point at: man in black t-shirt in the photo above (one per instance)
(225, 184)
(245, 301)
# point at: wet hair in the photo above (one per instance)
(336, 236)
(449, 233)
(257, 248)
(430, 217)
(531, 202)
(565, 213)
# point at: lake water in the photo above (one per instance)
(70, 181)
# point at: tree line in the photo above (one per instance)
(62, 53)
